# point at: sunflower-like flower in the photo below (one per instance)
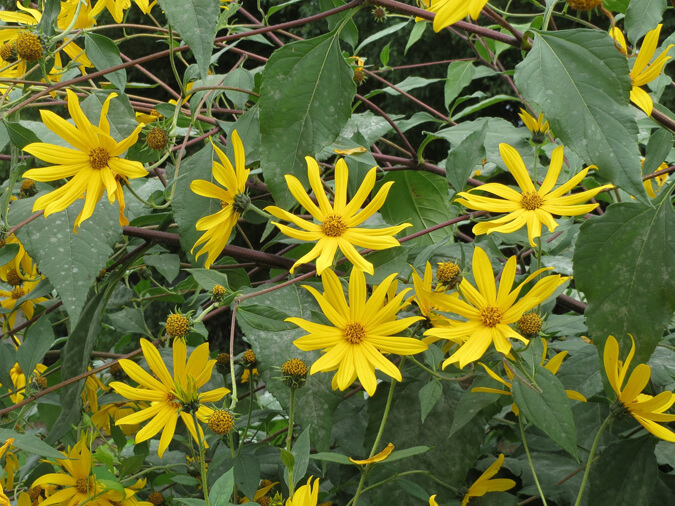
(11, 465)
(646, 409)
(643, 72)
(90, 10)
(232, 197)
(533, 206)
(19, 381)
(362, 330)
(20, 292)
(489, 312)
(307, 495)
(424, 299)
(170, 396)
(78, 482)
(537, 126)
(21, 264)
(338, 223)
(485, 484)
(448, 12)
(553, 365)
(94, 165)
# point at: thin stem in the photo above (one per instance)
(529, 460)
(202, 460)
(289, 441)
(590, 458)
(250, 410)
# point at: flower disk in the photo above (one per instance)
(338, 223)
(362, 331)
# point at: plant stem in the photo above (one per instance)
(250, 410)
(202, 460)
(590, 459)
(289, 441)
(529, 460)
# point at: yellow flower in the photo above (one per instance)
(648, 183)
(424, 300)
(619, 40)
(537, 126)
(643, 72)
(265, 487)
(248, 373)
(19, 380)
(10, 298)
(94, 164)
(11, 465)
(448, 12)
(533, 207)
(484, 484)
(170, 396)
(307, 495)
(145, 118)
(117, 410)
(88, 13)
(432, 500)
(361, 331)
(4, 500)
(378, 457)
(79, 484)
(338, 223)
(21, 264)
(218, 226)
(552, 365)
(490, 312)
(646, 409)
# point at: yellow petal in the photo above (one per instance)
(379, 457)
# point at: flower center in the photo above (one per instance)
(491, 316)
(447, 271)
(98, 158)
(531, 201)
(530, 323)
(8, 52)
(334, 226)
(83, 485)
(13, 278)
(354, 333)
(18, 292)
(28, 46)
(172, 400)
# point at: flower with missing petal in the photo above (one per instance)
(94, 166)
(338, 225)
(533, 207)
(361, 331)
(489, 311)
(646, 409)
(485, 484)
(232, 197)
(644, 72)
(448, 12)
(170, 396)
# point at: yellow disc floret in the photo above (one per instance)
(221, 422)
(249, 358)
(13, 278)
(530, 323)
(156, 498)
(157, 138)
(8, 52)
(584, 5)
(177, 325)
(28, 46)
(447, 272)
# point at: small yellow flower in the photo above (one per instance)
(646, 409)
(170, 395)
(448, 12)
(424, 300)
(218, 226)
(643, 72)
(22, 264)
(19, 381)
(10, 298)
(489, 311)
(533, 207)
(485, 484)
(338, 223)
(378, 457)
(307, 495)
(360, 333)
(94, 165)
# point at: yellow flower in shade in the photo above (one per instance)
(21, 264)
(537, 126)
(646, 409)
(424, 300)
(552, 365)
(11, 465)
(378, 457)
(265, 487)
(77, 480)
(643, 72)
(170, 396)
(448, 12)
(19, 380)
(307, 495)
(94, 165)
(533, 207)
(233, 200)
(489, 311)
(115, 411)
(485, 484)
(338, 223)
(362, 330)
(659, 181)
(249, 373)
(10, 298)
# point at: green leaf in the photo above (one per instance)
(338, 458)
(634, 461)
(642, 16)
(247, 473)
(31, 444)
(264, 318)
(408, 452)
(301, 456)
(222, 489)
(105, 54)
(460, 75)
(659, 146)
(71, 262)
(464, 158)
(287, 458)
(429, 396)
(8, 252)
(207, 278)
(120, 113)
(37, 342)
(305, 101)
(196, 21)
(7, 361)
(380, 34)
(419, 198)
(20, 135)
(167, 265)
(415, 35)
(239, 78)
(623, 264)
(472, 403)
(589, 110)
(129, 320)
(549, 409)
(350, 34)
(248, 128)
